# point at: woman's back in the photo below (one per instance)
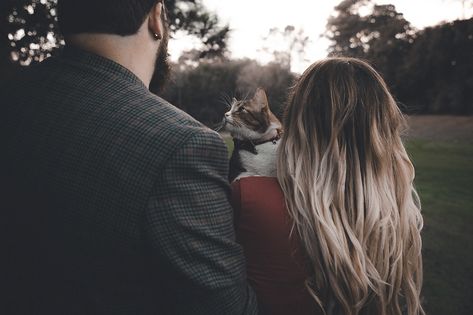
(276, 266)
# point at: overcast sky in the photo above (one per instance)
(250, 21)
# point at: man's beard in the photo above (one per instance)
(162, 68)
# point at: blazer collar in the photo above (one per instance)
(99, 63)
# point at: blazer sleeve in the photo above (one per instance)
(189, 221)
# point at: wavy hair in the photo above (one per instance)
(348, 184)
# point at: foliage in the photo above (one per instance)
(30, 32)
(383, 36)
(292, 44)
(356, 35)
(193, 18)
(429, 71)
(440, 64)
(205, 91)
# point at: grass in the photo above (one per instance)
(229, 142)
(445, 184)
(444, 180)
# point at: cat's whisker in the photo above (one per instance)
(218, 128)
(247, 96)
(226, 100)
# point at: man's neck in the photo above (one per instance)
(124, 50)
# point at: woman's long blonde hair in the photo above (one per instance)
(348, 183)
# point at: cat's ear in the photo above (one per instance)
(234, 100)
(261, 98)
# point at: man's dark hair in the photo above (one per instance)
(121, 17)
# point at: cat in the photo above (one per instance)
(255, 131)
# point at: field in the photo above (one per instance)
(442, 151)
(441, 148)
(445, 184)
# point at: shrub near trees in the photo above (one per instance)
(206, 91)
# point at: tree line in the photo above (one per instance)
(430, 71)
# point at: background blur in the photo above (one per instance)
(424, 49)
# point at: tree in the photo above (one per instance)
(5, 63)
(343, 27)
(29, 31)
(382, 35)
(192, 18)
(428, 71)
(32, 30)
(357, 35)
(292, 44)
(437, 73)
(275, 78)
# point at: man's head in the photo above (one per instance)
(145, 19)
(119, 17)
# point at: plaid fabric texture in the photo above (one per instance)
(116, 202)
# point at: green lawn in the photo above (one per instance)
(445, 183)
(229, 143)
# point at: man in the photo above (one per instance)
(114, 201)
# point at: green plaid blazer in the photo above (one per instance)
(114, 201)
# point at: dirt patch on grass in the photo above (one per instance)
(441, 128)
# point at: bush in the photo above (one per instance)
(206, 91)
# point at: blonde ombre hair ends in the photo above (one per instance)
(348, 183)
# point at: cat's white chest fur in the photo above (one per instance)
(261, 164)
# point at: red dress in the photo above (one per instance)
(276, 266)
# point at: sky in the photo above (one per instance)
(251, 20)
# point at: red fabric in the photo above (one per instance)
(276, 267)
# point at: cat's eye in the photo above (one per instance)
(242, 110)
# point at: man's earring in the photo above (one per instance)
(157, 36)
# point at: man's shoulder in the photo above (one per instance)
(152, 121)
(159, 118)
(108, 110)
(166, 113)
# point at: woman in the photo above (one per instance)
(338, 232)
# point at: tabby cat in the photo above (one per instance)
(256, 132)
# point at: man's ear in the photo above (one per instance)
(155, 23)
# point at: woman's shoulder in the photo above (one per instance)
(260, 192)
(258, 179)
(258, 186)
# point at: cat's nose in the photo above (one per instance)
(227, 114)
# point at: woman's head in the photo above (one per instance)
(348, 184)
(343, 100)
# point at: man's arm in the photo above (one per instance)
(190, 224)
